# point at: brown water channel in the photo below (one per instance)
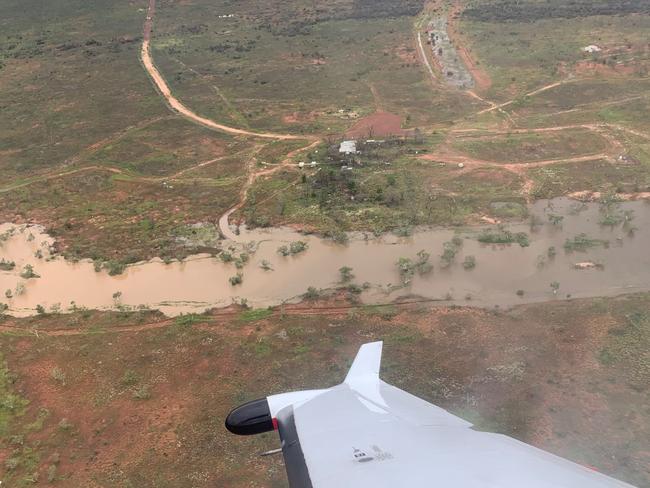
(202, 281)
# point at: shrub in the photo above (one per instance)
(142, 393)
(255, 314)
(129, 378)
(7, 265)
(449, 251)
(503, 236)
(114, 267)
(28, 272)
(582, 242)
(297, 247)
(346, 274)
(188, 319)
(311, 293)
(355, 289)
(293, 248)
(238, 279)
(65, 425)
(470, 262)
(406, 269)
(422, 264)
(58, 375)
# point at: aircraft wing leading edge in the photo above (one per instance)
(367, 433)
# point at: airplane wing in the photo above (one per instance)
(367, 433)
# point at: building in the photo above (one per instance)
(348, 147)
(591, 48)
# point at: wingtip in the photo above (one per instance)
(367, 362)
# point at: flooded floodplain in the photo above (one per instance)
(573, 249)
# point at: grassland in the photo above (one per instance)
(297, 73)
(523, 148)
(90, 149)
(117, 399)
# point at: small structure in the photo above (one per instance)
(591, 48)
(301, 164)
(348, 147)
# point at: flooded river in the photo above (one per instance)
(620, 265)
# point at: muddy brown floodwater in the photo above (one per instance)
(203, 281)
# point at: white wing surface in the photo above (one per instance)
(367, 433)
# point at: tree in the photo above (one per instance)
(555, 286)
(346, 274)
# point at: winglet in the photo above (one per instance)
(367, 363)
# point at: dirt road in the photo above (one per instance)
(224, 224)
(177, 105)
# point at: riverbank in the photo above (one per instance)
(484, 266)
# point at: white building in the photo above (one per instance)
(348, 147)
(591, 48)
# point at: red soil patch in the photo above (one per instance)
(379, 124)
(407, 54)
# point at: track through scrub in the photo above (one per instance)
(175, 104)
(224, 225)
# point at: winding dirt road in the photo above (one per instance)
(175, 104)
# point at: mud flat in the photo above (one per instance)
(451, 65)
(503, 275)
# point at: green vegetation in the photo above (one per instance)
(7, 265)
(188, 319)
(450, 249)
(237, 279)
(582, 242)
(503, 236)
(28, 272)
(312, 293)
(630, 345)
(555, 286)
(129, 378)
(293, 248)
(532, 10)
(11, 405)
(469, 262)
(346, 274)
(142, 393)
(255, 314)
(407, 267)
(521, 148)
